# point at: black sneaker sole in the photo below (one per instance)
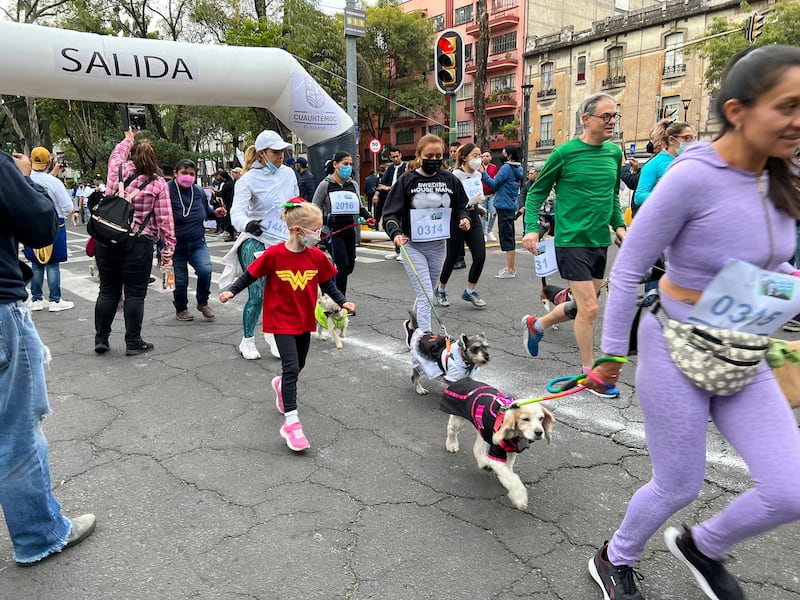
(671, 535)
(145, 347)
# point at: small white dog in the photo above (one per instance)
(331, 318)
(501, 432)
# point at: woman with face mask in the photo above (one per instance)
(190, 209)
(338, 198)
(265, 185)
(422, 210)
(468, 169)
(676, 138)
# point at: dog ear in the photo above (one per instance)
(508, 429)
(463, 340)
(547, 423)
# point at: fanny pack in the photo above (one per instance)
(719, 361)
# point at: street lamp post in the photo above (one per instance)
(686, 103)
(527, 90)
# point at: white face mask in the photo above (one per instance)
(682, 147)
(475, 164)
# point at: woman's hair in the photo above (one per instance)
(462, 153)
(144, 158)
(658, 132)
(337, 158)
(250, 156)
(185, 163)
(514, 153)
(748, 75)
(301, 214)
(424, 141)
(673, 129)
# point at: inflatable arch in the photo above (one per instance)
(46, 62)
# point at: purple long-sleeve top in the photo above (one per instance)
(702, 213)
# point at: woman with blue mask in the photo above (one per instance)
(338, 197)
(265, 186)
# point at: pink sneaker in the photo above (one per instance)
(276, 385)
(295, 439)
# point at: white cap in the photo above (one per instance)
(270, 139)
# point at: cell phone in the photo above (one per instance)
(133, 117)
(61, 159)
(632, 151)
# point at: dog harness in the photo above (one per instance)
(436, 354)
(486, 408)
(322, 318)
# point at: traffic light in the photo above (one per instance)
(449, 55)
(752, 28)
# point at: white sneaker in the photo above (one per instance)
(505, 274)
(273, 347)
(37, 305)
(391, 256)
(399, 257)
(248, 348)
(61, 305)
(491, 237)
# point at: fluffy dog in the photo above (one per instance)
(502, 432)
(435, 355)
(331, 317)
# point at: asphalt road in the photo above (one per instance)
(177, 452)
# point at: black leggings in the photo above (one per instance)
(342, 247)
(455, 246)
(293, 349)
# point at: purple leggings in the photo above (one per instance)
(758, 423)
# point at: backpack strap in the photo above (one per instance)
(126, 183)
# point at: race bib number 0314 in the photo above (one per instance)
(430, 224)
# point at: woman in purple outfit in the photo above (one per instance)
(736, 198)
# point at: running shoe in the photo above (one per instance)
(276, 385)
(294, 436)
(441, 297)
(617, 583)
(473, 299)
(531, 337)
(408, 332)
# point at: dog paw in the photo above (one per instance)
(485, 465)
(339, 346)
(452, 446)
(519, 499)
(421, 390)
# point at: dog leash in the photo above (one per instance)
(572, 384)
(428, 298)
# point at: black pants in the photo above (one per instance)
(128, 269)
(342, 247)
(226, 220)
(293, 350)
(455, 249)
(379, 206)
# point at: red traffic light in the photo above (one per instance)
(446, 45)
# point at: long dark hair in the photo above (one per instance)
(747, 76)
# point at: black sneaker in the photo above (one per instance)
(138, 348)
(617, 583)
(408, 332)
(460, 264)
(711, 575)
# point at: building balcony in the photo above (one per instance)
(613, 82)
(617, 137)
(545, 143)
(503, 14)
(546, 94)
(498, 140)
(674, 70)
(496, 62)
(496, 101)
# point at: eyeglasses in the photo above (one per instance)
(687, 137)
(313, 232)
(607, 117)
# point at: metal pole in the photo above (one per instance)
(526, 126)
(453, 115)
(352, 93)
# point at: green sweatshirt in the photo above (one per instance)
(587, 193)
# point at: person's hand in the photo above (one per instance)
(463, 224)
(529, 242)
(371, 222)
(254, 228)
(131, 134)
(375, 199)
(634, 164)
(166, 260)
(607, 372)
(399, 240)
(220, 212)
(619, 235)
(350, 307)
(23, 163)
(225, 296)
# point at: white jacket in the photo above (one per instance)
(259, 195)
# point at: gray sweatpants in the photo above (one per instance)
(426, 259)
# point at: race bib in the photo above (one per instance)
(474, 190)
(743, 297)
(430, 224)
(344, 203)
(546, 257)
(274, 226)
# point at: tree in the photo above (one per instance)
(397, 54)
(479, 94)
(781, 26)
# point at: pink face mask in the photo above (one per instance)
(185, 181)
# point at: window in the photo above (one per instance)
(582, 68)
(405, 136)
(436, 130)
(464, 14)
(673, 56)
(547, 76)
(546, 127)
(503, 43)
(670, 106)
(496, 123)
(503, 83)
(618, 124)
(437, 22)
(464, 92)
(464, 128)
(467, 53)
(615, 63)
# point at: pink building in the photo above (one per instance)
(504, 104)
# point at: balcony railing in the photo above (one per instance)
(546, 94)
(617, 136)
(501, 13)
(612, 82)
(674, 70)
(545, 143)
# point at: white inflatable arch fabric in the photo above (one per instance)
(46, 62)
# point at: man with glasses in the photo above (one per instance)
(586, 171)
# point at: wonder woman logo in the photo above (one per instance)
(298, 279)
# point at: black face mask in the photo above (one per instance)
(650, 148)
(431, 165)
(503, 158)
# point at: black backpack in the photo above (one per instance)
(111, 217)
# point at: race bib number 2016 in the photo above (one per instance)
(344, 203)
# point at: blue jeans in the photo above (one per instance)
(35, 523)
(195, 253)
(53, 271)
(488, 220)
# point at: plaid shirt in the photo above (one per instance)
(153, 197)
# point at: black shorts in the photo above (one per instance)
(581, 264)
(505, 227)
